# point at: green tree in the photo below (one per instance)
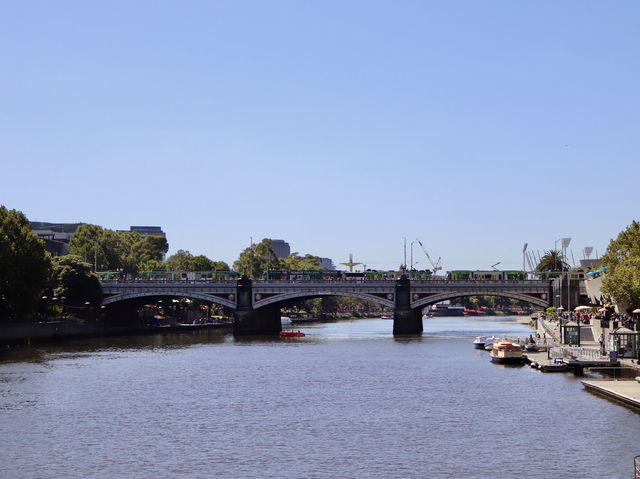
(146, 249)
(24, 266)
(294, 262)
(178, 261)
(622, 260)
(552, 261)
(201, 263)
(73, 279)
(257, 258)
(152, 265)
(183, 260)
(85, 243)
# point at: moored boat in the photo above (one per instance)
(484, 342)
(506, 352)
(292, 334)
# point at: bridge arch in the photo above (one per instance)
(120, 297)
(387, 301)
(436, 298)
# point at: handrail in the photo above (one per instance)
(588, 354)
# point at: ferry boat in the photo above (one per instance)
(292, 334)
(506, 352)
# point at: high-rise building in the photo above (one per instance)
(326, 263)
(56, 236)
(148, 230)
(281, 248)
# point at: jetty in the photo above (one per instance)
(626, 392)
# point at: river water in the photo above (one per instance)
(346, 401)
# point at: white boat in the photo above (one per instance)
(506, 352)
(481, 342)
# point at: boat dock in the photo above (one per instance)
(557, 358)
(626, 392)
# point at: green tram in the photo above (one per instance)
(468, 275)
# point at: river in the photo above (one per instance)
(347, 401)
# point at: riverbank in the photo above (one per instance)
(61, 329)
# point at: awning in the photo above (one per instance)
(582, 308)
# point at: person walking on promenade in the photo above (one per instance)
(601, 341)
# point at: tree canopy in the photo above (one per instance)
(24, 265)
(110, 250)
(295, 262)
(257, 258)
(552, 260)
(74, 280)
(183, 260)
(622, 260)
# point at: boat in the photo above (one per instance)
(292, 334)
(506, 352)
(479, 342)
(484, 342)
(386, 316)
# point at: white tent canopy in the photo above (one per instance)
(582, 308)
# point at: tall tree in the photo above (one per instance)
(255, 259)
(183, 260)
(86, 243)
(178, 261)
(146, 249)
(622, 260)
(74, 280)
(24, 266)
(552, 260)
(295, 262)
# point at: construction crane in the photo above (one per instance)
(435, 266)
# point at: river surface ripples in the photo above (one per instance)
(347, 401)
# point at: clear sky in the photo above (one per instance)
(339, 126)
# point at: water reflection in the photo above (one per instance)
(347, 400)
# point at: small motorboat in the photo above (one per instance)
(484, 342)
(292, 334)
(478, 343)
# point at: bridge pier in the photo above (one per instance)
(405, 319)
(251, 322)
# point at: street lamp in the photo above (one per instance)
(524, 248)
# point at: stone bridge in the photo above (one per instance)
(257, 304)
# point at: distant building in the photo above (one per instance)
(281, 248)
(326, 263)
(56, 236)
(148, 230)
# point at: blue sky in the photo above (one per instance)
(341, 127)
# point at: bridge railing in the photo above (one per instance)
(430, 282)
(168, 281)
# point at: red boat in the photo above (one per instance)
(291, 334)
